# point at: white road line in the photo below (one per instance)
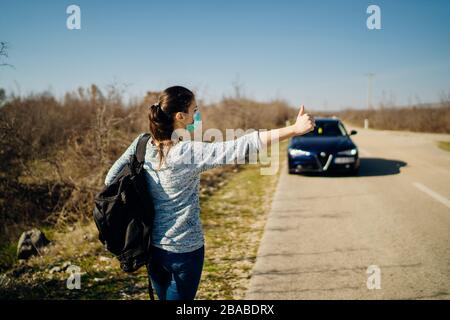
(432, 194)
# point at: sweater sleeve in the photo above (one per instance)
(208, 155)
(122, 161)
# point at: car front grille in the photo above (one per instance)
(323, 160)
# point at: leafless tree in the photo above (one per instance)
(4, 54)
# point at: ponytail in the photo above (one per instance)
(161, 123)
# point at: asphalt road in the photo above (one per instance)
(323, 232)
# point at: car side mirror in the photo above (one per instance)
(353, 132)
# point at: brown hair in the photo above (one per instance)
(161, 123)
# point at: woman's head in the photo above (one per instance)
(175, 109)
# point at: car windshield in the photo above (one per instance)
(327, 129)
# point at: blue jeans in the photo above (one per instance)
(176, 276)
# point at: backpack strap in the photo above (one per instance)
(150, 286)
(141, 146)
(140, 155)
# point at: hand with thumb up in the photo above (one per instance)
(304, 123)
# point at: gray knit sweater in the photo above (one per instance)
(175, 187)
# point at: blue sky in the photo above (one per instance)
(312, 52)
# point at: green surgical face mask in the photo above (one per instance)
(197, 119)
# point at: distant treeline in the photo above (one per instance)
(419, 118)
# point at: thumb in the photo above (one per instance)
(302, 110)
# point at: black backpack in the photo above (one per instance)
(124, 212)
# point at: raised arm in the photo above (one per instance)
(208, 155)
(304, 124)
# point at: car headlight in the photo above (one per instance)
(298, 152)
(350, 152)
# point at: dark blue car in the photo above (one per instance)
(328, 148)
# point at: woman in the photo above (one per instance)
(174, 179)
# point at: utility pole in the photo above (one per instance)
(369, 89)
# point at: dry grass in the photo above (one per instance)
(233, 220)
(444, 145)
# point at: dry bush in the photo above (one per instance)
(54, 155)
(423, 118)
(241, 113)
